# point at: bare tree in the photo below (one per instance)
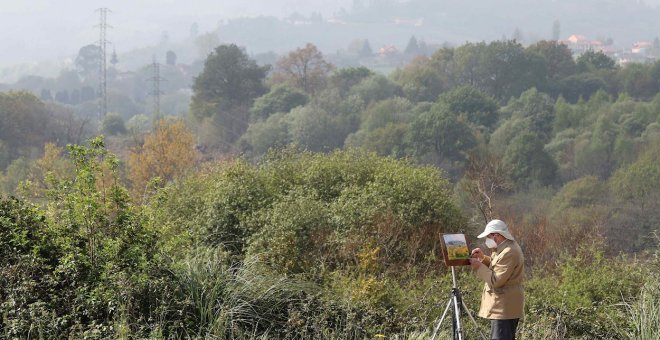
(485, 179)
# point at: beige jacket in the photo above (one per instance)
(503, 296)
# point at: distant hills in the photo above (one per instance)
(394, 22)
(446, 21)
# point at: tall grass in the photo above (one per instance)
(645, 312)
(240, 301)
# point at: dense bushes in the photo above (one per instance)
(83, 268)
(295, 201)
(301, 245)
(584, 297)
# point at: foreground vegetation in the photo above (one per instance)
(325, 225)
(301, 245)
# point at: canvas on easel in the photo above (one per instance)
(455, 249)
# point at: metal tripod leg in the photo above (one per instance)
(459, 304)
(437, 327)
(476, 326)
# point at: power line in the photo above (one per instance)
(156, 92)
(103, 90)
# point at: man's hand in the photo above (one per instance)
(478, 254)
(475, 263)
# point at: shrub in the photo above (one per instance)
(86, 266)
(113, 124)
(581, 299)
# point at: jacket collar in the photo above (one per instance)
(503, 245)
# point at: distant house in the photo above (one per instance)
(641, 47)
(579, 44)
(641, 51)
(387, 50)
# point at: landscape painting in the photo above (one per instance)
(455, 249)
(456, 246)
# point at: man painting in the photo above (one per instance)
(502, 299)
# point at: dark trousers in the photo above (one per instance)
(503, 329)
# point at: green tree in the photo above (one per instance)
(596, 157)
(565, 116)
(558, 58)
(636, 187)
(558, 62)
(17, 171)
(412, 48)
(88, 60)
(502, 69)
(478, 107)
(84, 265)
(170, 58)
(639, 183)
(510, 70)
(581, 86)
(138, 125)
(441, 135)
(528, 162)
(384, 127)
(23, 118)
(345, 78)
(113, 124)
(393, 110)
(229, 79)
(641, 80)
(315, 129)
(389, 140)
(281, 98)
(421, 80)
(5, 157)
(580, 193)
(505, 132)
(272, 132)
(591, 61)
(376, 87)
(225, 90)
(537, 108)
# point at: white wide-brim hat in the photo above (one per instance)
(496, 226)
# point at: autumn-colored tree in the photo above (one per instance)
(166, 154)
(303, 68)
(46, 171)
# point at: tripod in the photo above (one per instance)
(456, 301)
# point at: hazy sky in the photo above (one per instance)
(50, 30)
(34, 30)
